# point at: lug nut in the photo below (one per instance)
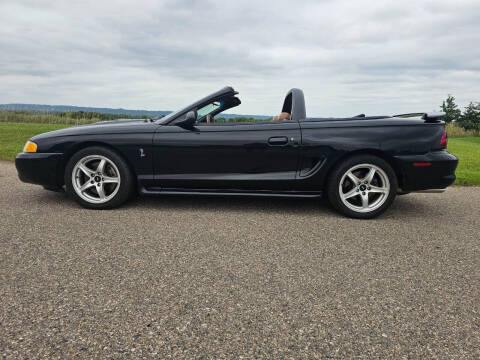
(363, 193)
(368, 188)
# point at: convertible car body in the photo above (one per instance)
(360, 163)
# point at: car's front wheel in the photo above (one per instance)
(98, 178)
(362, 187)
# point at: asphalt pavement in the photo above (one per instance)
(242, 278)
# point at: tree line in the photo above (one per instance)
(67, 117)
(79, 114)
(469, 119)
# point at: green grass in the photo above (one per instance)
(14, 135)
(467, 149)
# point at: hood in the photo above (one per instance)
(102, 127)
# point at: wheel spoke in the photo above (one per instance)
(110, 180)
(85, 169)
(353, 178)
(101, 191)
(370, 176)
(86, 186)
(364, 200)
(101, 166)
(350, 194)
(375, 189)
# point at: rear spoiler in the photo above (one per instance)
(428, 117)
(433, 116)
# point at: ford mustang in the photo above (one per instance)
(359, 163)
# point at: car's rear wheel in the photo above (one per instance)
(98, 178)
(362, 187)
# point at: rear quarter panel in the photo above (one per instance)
(325, 144)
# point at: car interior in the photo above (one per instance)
(293, 109)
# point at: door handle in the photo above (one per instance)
(278, 140)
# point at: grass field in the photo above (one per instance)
(14, 135)
(467, 149)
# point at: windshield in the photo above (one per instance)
(166, 118)
(222, 93)
(208, 109)
(201, 113)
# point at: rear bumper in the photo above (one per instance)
(40, 168)
(439, 174)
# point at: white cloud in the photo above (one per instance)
(348, 56)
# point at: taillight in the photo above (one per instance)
(444, 140)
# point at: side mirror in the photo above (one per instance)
(189, 121)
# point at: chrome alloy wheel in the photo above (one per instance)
(364, 188)
(96, 179)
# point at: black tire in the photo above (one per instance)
(384, 200)
(126, 180)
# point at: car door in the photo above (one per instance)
(244, 156)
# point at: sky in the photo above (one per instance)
(349, 57)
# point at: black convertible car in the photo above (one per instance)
(359, 163)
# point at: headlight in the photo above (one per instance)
(30, 146)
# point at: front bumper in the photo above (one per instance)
(40, 168)
(438, 175)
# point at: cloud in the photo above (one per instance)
(348, 56)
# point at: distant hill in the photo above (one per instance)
(66, 108)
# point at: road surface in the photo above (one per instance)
(232, 278)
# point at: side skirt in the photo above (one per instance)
(229, 192)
